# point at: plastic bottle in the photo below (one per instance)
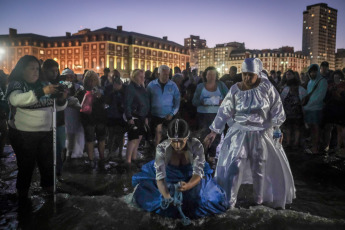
(277, 134)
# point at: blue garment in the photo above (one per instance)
(205, 199)
(164, 101)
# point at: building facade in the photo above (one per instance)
(272, 60)
(94, 50)
(218, 56)
(319, 33)
(194, 44)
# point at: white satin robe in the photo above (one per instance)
(248, 154)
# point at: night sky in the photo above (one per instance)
(259, 23)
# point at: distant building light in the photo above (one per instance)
(312, 15)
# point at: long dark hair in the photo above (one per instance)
(17, 72)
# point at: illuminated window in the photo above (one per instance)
(111, 62)
(94, 62)
(102, 62)
(309, 27)
(312, 15)
(86, 63)
(94, 47)
(125, 64)
(41, 51)
(118, 48)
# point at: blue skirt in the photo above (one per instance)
(205, 199)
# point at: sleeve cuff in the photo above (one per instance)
(39, 93)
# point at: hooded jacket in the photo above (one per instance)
(316, 100)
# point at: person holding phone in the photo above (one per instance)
(31, 101)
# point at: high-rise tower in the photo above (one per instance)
(319, 33)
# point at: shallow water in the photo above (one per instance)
(100, 199)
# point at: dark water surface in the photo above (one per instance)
(100, 199)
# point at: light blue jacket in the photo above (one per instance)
(163, 102)
(316, 100)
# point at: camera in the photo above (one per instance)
(62, 86)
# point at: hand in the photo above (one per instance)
(184, 186)
(281, 139)
(131, 122)
(50, 89)
(209, 139)
(168, 117)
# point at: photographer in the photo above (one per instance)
(30, 124)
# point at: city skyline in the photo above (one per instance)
(254, 22)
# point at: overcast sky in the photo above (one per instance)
(259, 23)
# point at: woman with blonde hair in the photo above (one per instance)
(137, 105)
(94, 119)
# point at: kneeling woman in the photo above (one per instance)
(179, 159)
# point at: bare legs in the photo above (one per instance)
(132, 150)
(90, 148)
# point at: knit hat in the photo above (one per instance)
(67, 72)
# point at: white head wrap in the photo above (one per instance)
(253, 65)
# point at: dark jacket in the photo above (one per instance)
(137, 102)
(115, 100)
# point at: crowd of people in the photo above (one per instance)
(152, 108)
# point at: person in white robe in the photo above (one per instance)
(250, 154)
